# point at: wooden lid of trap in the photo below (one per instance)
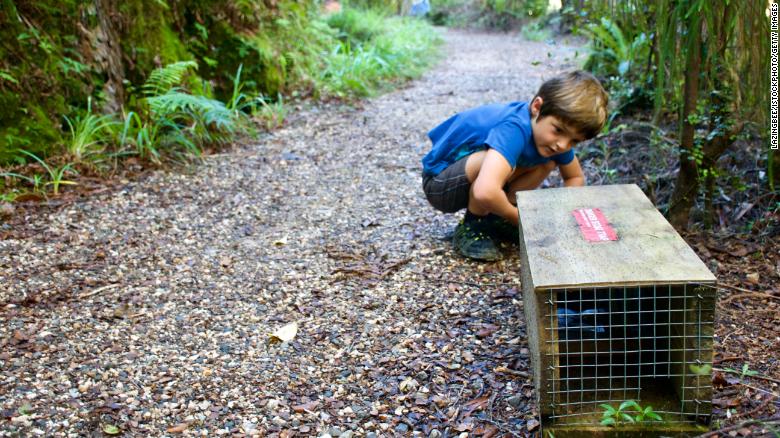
(601, 236)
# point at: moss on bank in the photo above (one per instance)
(55, 57)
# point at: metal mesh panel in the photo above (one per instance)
(651, 344)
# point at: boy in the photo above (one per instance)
(482, 156)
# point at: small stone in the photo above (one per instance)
(401, 428)
(532, 425)
(6, 210)
(370, 435)
(347, 434)
(334, 431)
(434, 434)
(753, 278)
(516, 401)
(272, 404)
(248, 426)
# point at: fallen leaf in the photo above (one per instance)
(28, 197)
(486, 331)
(286, 333)
(719, 380)
(110, 429)
(310, 406)
(487, 431)
(473, 405)
(465, 425)
(281, 242)
(179, 428)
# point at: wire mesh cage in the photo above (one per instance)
(627, 315)
(649, 344)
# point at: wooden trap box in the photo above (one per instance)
(618, 307)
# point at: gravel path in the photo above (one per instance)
(149, 311)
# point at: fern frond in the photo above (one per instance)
(209, 112)
(163, 79)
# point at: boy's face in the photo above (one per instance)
(551, 135)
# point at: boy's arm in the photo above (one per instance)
(488, 188)
(572, 174)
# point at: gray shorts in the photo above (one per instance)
(449, 190)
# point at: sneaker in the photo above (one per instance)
(501, 230)
(473, 242)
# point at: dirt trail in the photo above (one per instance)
(151, 307)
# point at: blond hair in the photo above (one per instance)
(577, 99)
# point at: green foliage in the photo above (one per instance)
(207, 118)
(628, 412)
(88, 134)
(271, 114)
(612, 53)
(492, 14)
(163, 79)
(744, 372)
(56, 174)
(402, 48)
(536, 31)
(383, 6)
(174, 58)
(701, 370)
(356, 26)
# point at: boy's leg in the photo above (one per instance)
(523, 178)
(527, 178)
(449, 192)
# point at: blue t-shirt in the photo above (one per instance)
(503, 127)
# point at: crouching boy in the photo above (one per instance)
(482, 156)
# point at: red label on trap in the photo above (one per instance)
(594, 225)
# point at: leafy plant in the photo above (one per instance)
(87, 133)
(744, 372)
(536, 31)
(402, 50)
(623, 413)
(272, 114)
(611, 52)
(56, 174)
(163, 79)
(701, 370)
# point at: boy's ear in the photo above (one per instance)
(536, 106)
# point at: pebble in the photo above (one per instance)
(516, 401)
(6, 210)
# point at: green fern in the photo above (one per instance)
(177, 105)
(164, 79)
(611, 52)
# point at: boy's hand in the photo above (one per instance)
(572, 174)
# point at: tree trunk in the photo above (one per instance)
(108, 54)
(687, 185)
